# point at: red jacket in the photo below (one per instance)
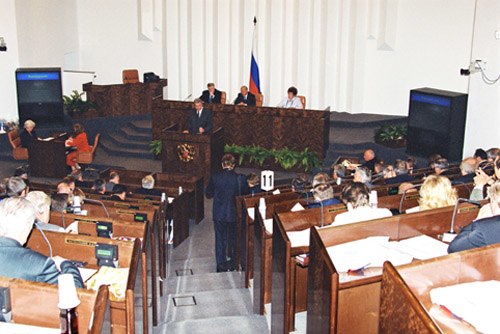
(80, 142)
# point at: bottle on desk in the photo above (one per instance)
(373, 199)
(68, 301)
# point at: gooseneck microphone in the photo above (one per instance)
(94, 201)
(455, 210)
(44, 237)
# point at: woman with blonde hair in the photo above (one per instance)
(436, 192)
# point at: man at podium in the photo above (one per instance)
(200, 119)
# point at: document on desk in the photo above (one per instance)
(422, 247)
(12, 328)
(86, 273)
(47, 139)
(251, 213)
(365, 253)
(297, 207)
(476, 303)
(299, 238)
(276, 192)
(268, 224)
(170, 200)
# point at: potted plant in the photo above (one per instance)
(75, 106)
(391, 135)
(155, 148)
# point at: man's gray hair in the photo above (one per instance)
(15, 186)
(17, 213)
(467, 166)
(400, 167)
(40, 200)
(364, 174)
(198, 101)
(493, 153)
(148, 182)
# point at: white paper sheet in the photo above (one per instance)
(476, 303)
(11, 328)
(251, 213)
(299, 238)
(276, 192)
(86, 273)
(297, 207)
(422, 247)
(170, 200)
(268, 223)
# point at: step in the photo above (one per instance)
(206, 304)
(364, 120)
(115, 150)
(222, 325)
(142, 126)
(120, 139)
(133, 134)
(205, 282)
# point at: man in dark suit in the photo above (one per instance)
(223, 188)
(480, 233)
(211, 95)
(200, 119)
(245, 98)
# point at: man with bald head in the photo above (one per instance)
(245, 98)
(370, 159)
(467, 170)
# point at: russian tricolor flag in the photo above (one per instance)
(254, 67)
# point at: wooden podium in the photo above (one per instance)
(192, 154)
(47, 158)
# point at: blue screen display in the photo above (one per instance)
(37, 76)
(431, 99)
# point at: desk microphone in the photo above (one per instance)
(188, 97)
(448, 237)
(44, 237)
(94, 201)
(404, 196)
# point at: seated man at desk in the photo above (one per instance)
(291, 100)
(119, 193)
(200, 119)
(245, 98)
(42, 202)
(322, 192)
(18, 215)
(28, 134)
(355, 197)
(211, 95)
(16, 186)
(148, 184)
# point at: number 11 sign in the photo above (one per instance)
(267, 180)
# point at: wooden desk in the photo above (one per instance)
(267, 127)
(82, 248)
(351, 305)
(405, 301)
(35, 304)
(124, 99)
(47, 158)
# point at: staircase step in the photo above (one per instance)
(115, 150)
(120, 139)
(132, 134)
(205, 282)
(222, 325)
(142, 126)
(364, 120)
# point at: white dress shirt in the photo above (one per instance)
(361, 214)
(293, 103)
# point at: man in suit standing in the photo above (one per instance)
(211, 95)
(200, 119)
(223, 188)
(245, 98)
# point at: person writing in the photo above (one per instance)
(245, 98)
(291, 100)
(79, 141)
(28, 134)
(211, 95)
(200, 119)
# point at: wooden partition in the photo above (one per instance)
(406, 306)
(82, 248)
(35, 304)
(350, 304)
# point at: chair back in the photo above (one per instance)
(130, 76)
(223, 97)
(302, 100)
(14, 139)
(259, 99)
(96, 142)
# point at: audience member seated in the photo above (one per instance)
(433, 158)
(400, 173)
(211, 95)
(411, 165)
(77, 177)
(467, 170)
(119, 193)
(480, 155)
(291, 100)
(59, 202)
(355, 196)
(253, 184)
(299, 183)
(65, 188)
(113, 179)
(18, 215)
(441, 167)
(483, 179)
(3, 191)
(245, 98)
(41, 201)
(484, 231)
(28, 134)
(99, 187)
(79, 141)
(148, 184)
(16, 186)
(406, 187)
(436, 192)
(338, 173)
(363, 175)
(200, 119)
(493, 154)
(322, 192)
(370, 160)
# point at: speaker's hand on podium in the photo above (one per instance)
(185, 131)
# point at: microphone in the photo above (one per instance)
(448, 237)
(187, 97)
(44, 237)
(94, 201)
(404, 197)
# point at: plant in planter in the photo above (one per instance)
(259, 154)
(391, 135)
(155, 147)
(309, 160)
(74, 104)
(286, 157)
(239, 151)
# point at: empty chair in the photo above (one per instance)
(302, 100)
(259, 99)
(223, 97)
(18, 152)
(130, 76)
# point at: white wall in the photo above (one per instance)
(483, 110)
(8, 61)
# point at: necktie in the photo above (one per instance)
(211, 98)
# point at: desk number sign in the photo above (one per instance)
(267, 180)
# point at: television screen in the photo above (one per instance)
(429, 112)
(39, 87)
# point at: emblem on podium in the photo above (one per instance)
(185, 152)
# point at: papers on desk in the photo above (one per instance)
(422, 247)
(12, 328)
(476, 303)
(116, 278)
(299, 238)
(86, 273)
(276, 192)
(47, 139)
(251, 213)
(268, 224)
(170, 200)
(297, 207)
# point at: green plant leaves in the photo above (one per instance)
(75, 105)
(155, 147)
(388, 133)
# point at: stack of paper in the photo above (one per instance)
(299, 238)
(422, 247)
(251, 213)
(268, 224)
(477, 303)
